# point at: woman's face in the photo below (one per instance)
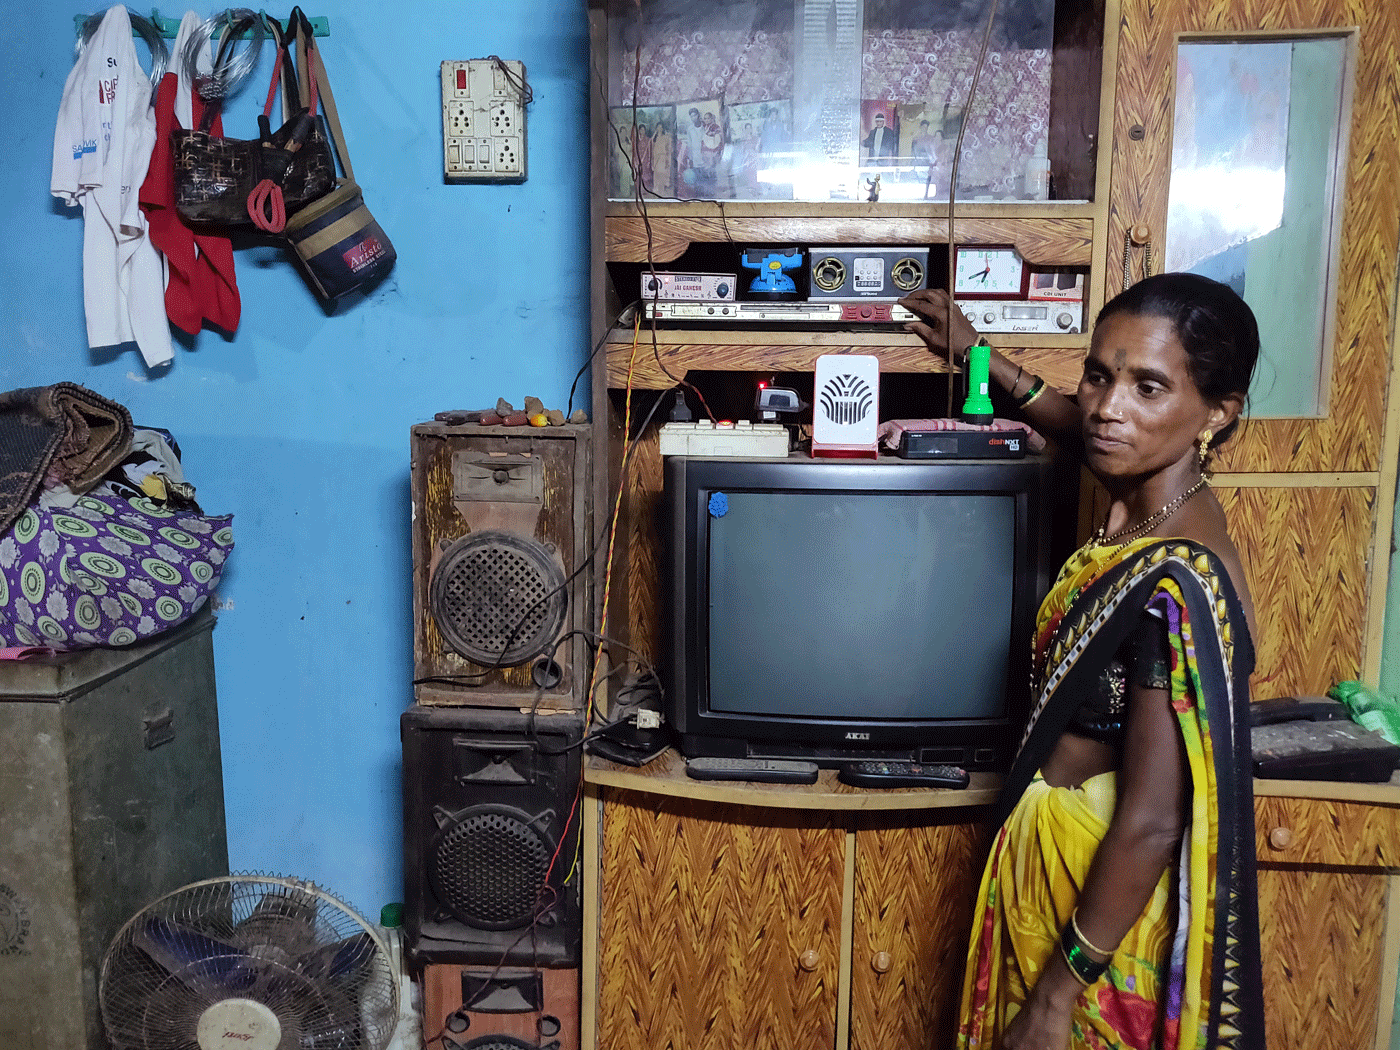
(1141, 410)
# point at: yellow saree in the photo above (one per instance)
(1187, 973)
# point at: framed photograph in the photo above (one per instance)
(924, 156)
(879, 133)
(646, 148)
(700, 173)
(757, 150)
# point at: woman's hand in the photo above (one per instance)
(1039, 1025)
(932, 307)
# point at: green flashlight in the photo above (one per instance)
(978, 406)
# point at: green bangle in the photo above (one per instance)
(1034, 391)
(1086, 970)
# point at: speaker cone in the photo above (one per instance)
(498, 598)
(907, 274)
(829, 274)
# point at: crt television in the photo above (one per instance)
(840, 610)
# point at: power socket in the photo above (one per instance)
(483, 121)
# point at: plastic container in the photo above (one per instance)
(408, 1033)
(1037, 180)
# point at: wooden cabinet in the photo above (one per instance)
(768, 916)
(744, 915)
(1329, 895)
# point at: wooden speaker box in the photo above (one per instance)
(490, 836)
(500, 584)
(471, 1007)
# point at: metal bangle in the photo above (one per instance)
(1033, 391)
(1074, 922)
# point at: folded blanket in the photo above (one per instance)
(63, 430)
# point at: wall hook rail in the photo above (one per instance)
(168, 27)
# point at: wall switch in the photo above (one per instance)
(483, 120)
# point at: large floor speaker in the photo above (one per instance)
(490, 836)
(500, 538)
(484, 1008)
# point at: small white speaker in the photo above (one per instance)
(846, 406)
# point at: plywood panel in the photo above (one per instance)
(1320, 935)
(914, 895)
(658, 363)
(1305, 555)
(1050, 241)
(1350, 437)
(706, 910)
(1322, 832)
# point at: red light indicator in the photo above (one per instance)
(461, 80)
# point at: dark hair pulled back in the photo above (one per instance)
(1213, 324)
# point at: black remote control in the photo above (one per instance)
(764, 770)
(901, 774)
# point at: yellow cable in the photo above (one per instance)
(608, 562)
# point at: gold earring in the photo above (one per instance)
(1203, 447)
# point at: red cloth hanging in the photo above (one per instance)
(202, 283)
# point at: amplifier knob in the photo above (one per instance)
(989, 317)
(971, 315)
(1064, 320)
(722, 290)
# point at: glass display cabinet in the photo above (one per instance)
(761, 126)
(812, 100)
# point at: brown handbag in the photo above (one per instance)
(255, 182)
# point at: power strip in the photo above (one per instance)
(483, 121)
(741, 439)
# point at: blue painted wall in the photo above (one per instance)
(298, 425)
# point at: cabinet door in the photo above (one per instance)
(1324, 869)
(1321, 934)
(915, 887)
(720, 925)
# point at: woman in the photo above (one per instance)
(1118, 906)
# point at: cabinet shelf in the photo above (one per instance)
(1045, 235)
(1054, 357)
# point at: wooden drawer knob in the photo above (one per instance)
(880, 962)
(808, 960)
(1281, 838)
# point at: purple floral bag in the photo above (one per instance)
(113, 569)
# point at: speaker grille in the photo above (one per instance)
(489, 867)
(498, 1042)
(498, 598)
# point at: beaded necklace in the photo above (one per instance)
(1147, 525)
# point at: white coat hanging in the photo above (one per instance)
(102, 147)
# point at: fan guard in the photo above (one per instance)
(498, 598)
(248, 963)
(489, 866)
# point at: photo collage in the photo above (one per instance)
(703, 150)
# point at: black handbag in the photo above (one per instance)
(255, 182)
(341, 247)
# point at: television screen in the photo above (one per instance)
(858, 604)
(842, 609)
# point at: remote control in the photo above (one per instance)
(899, 774)
(764, 770)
